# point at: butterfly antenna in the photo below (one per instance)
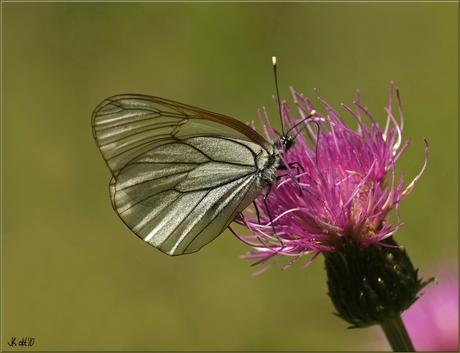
(277, 92)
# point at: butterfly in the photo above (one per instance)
(181, 174)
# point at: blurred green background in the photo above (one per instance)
(75, 278)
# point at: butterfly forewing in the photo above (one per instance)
(127, 125)
(180, 174)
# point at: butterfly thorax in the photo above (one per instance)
(268, 164)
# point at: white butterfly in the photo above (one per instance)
(180, 174)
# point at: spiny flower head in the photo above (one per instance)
(334, 198)
(337, 187)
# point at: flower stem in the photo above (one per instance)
(397, 336)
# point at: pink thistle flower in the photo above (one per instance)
(432, 322)
(341, 185)
(335, 199)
